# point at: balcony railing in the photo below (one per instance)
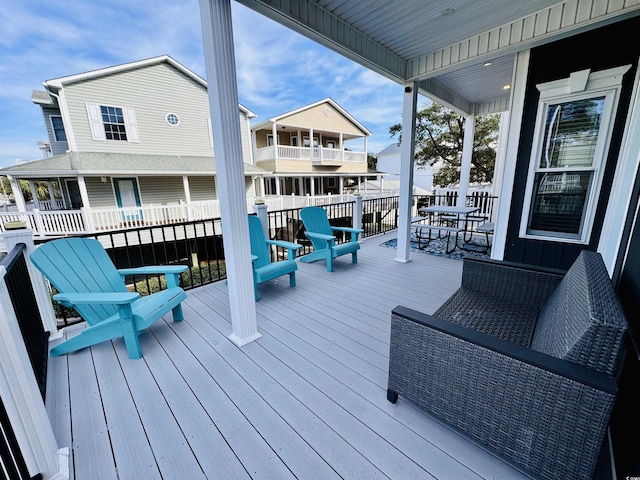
(318, 155)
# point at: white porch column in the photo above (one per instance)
(312, 184)
(52, 196)
(278, 189)
(187, 189)
(217, 33)
(34, 195)
(17, 194)
(407, 149)
(187, 196)
(274, 132)
(84, 195)
(341, 185)
(467, 150)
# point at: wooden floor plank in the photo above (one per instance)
(92, 457)
(129, 444)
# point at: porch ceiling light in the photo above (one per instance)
(487, 64)
(506, 87)
(447, 12)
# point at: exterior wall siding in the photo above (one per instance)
(57, 148)
(153, 92)
(161, 190)
(101, 195)
(202, 189)
(318, 119)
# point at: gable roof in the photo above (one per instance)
(99, 163)
(278, 118)
(59, 83)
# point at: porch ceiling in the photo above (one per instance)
(443, 44)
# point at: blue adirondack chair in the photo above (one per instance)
(263, 268)
(321, 234)
(85, 277)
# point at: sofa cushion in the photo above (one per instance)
(489, 314)
(583, 321)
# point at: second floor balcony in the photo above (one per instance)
(312, 156)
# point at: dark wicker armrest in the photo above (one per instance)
(545, 414)
(526, 285)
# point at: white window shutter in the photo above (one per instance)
(210, 132)
(95, 122)
(131, 125)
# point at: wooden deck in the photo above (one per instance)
(307, 400)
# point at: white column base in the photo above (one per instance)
(243, 341)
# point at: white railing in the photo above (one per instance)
(286, 152)
(56, 223)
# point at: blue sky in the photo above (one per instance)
(278, 70)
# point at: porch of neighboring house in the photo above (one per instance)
(306, 400)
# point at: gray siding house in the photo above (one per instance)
(131, 135)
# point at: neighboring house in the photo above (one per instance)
(305, 149)
(389, 162)
(130, 135)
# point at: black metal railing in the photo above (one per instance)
(286, 225)
(25, 306)
(197, 244)
(379, 215)
(13, 465)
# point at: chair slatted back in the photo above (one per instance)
(315, 220)
(259, 247)
(80, 265)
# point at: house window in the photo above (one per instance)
(573, 130)
(331, 144)
(59, 135)
(294, 141)
(305, 141)
(270, 139)
(112, 123)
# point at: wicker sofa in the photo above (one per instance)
(523, 360)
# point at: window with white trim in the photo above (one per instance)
(571, 142)
(108, 122)
(59, 135)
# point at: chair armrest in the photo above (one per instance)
(153, 270)
(171, 272)
(347, 229)
(545, 414)
(354, 231)
(319, 236)
(114, 298)
(527, 285)
(284, 244)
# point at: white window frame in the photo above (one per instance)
(53, 129)
(578, 86)
(97, 126)
(331, 144)
(307, 143)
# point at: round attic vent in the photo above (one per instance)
(173, 119)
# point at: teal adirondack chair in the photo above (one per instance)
(263, 268)
(81, 270)
(321, 234)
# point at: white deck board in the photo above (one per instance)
(306, 400)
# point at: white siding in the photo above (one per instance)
(57, 148)
(202, 189)
(152, 92)
(100, 194)
(161, 190)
